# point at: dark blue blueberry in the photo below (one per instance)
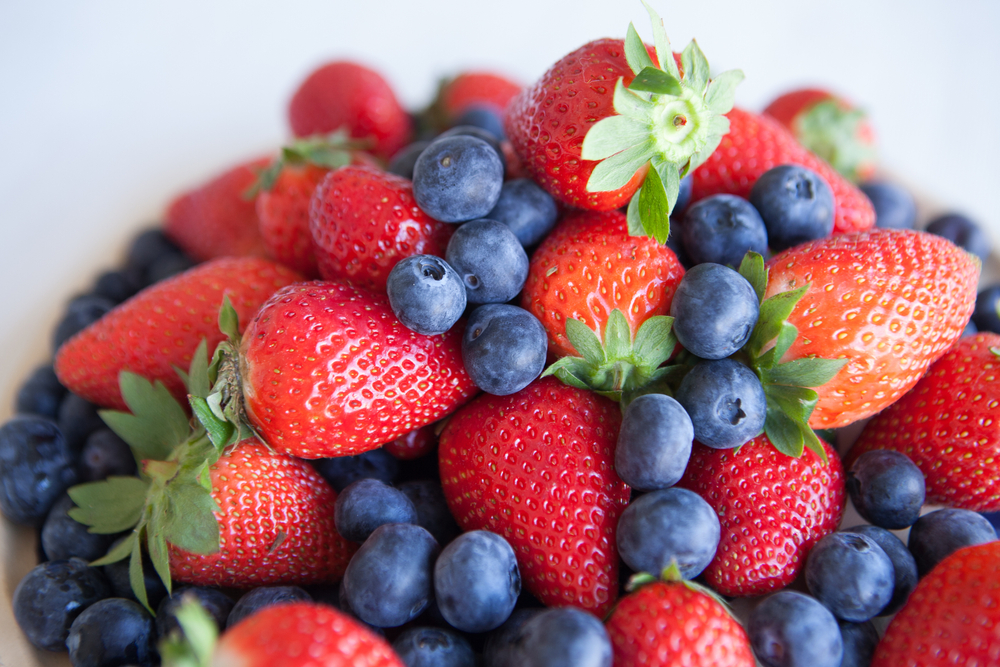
(654, 443)
(117, 286)
(675, 243)
(725, 401)
(77, 419)
(476, 581)
(265, 596)
(484, 118)
(104, 455)
(41, 394)
(714, 310)
(433, 647)
(112, 632)
(859, 640)
(503, 348)
(893, 204)
(367, 504)
(721, 229)
(52, 595)
(851, 575)
(527, 209)
(149, 247)
(501, 648)
(887, 488)
(993, 518)
(937, 535)
(121, 586)
(970, 329)
(790, 629)
(344, 605)
(81, 312)
(962, 232)
(426, 294)
(432, 509)
(683, 195)
(168, 267)
(562, 637)
(986, 316)
(795, 204)
(402, 162)
(489, 259)
(389, 580)
(903, 566)
(216, 603)
(36, 467)
(479, 133)
(343, 470)
(668, 525)
(64, 538)
(457, 178)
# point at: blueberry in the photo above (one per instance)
(903, 566)
(479, 133)
(104, 455)
(721, 229)
(118, 286)
(654, 443)
(489, 259)
(970, 329)
(527, 209)
(168, 267)
(851, 575)
(675, 243)
(341, 471)
(36, 467)
(63, 538)
(457, 178)
(859, 640)
(262, 597)
(41, 394)
(562, 637)
(795, 204)
(789, 629)
(887, 488)
(714, 310)
(52, 595)
(501, 646)
(367, 504)
(503, 348)
(962, 232)
(121, 585)
(433, 647)
(937, 535)
(77, 419)
(484, 118)
(683, 195)
(426, 294)
(668, 525)
(986, 316)
(402, 162)
(476, 581)
(80, 314)
(894, 205)
(993, 518)
(216, 603)
(725, 401)
(112, 632)
(389, 580)
(149, 247)
(432, 509)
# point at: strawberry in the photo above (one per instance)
(947, 424)
(347, 95)
(538, 468)
(831, 127)
(951, 618)
(472, 89)
(754, 145)
(772, 508)
(414, 444)
(160, 327)
(216, 219)
(365, 220)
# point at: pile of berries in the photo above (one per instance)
(538, 376)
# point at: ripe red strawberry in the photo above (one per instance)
(328, 370)
(160, 327)
(414, 444)
(948, 425)
(757, 143)
(829, 126)
(889, 301)
(471, 89)
(216, 219)
(284, 217)
(772, 509)
(951, 618)
(538, 468)
(343, 94)
(667, 623)
(365, 220)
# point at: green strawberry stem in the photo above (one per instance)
(194, 642)
(330, 151)
(668, 122)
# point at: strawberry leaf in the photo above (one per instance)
(612, 136)
(584, 341)
(806, 372)
(119, 552)
(786, 336)
(635, 51)
(632, 216)
(796, 402)
(229, 321)
(159, 555)
(783, 432)
(157, 423)
(812, 442)
(135, 574)
(197, 381)
(696, 70)
(194, 643)
(616, 171)
(617, 337)
(995, 350)
(190, 520)
(655, 341)
(721, 92)
(219, 431)
(109, 506)
(753, 270)
(573, 371)
(773, 312)
(664, 53)
(655, 80)
(654, 207)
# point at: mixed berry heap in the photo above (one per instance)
(493, 383)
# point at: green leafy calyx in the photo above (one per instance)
(330, 151)
(832, 131)
(192, 644)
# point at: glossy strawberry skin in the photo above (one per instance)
(414, 444)
(328, 370)
(757, 143)
(952, 617)
(216, 219)
(772, 509)
(302, 634)
(949, 425)
(471, 89)
(588, 266)
(161, 327)
(345, 94)
(665, 624)
(364, 220)
(275, 524)
(890, 301)
(284, 217)
(538, 468)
